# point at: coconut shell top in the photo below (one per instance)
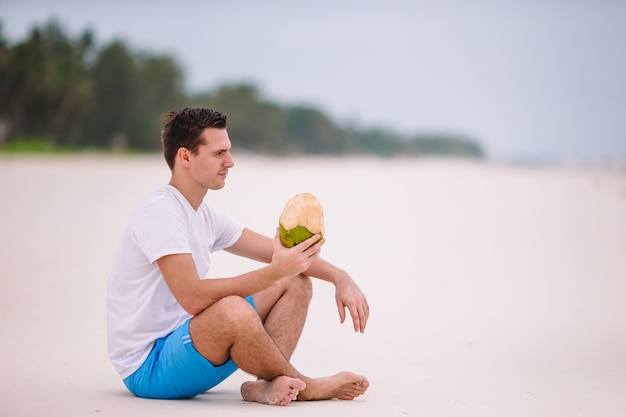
(302, 217)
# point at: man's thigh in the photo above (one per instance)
(175, 369)
(265, 300)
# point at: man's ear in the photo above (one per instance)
(183, 155)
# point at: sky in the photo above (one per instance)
(530, 80)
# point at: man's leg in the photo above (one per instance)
(231, 328)
(283, 310)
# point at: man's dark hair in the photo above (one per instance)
(182, 129)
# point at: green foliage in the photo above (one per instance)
(312, 132)
(44, 84)
(70, 94)
(443, 145)
(29, 145)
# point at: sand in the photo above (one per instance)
(495, 290)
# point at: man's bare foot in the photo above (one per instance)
(343, 386)
(280, 391)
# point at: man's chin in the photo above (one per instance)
(216, 187)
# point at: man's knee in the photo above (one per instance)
(215, 329)
(229, 311)
(303, 286)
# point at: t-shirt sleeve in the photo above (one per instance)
(228, 230)
(161, 230)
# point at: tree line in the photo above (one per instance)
(69, 93)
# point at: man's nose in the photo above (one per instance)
(230, 162)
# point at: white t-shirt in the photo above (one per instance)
(140, 307)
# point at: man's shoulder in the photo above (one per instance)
(164, 195)
(161, 200)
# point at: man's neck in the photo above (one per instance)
(194, 194)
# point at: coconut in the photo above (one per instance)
(301, 218)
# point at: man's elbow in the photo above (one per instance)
(193, 306)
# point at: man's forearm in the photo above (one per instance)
(326, 271)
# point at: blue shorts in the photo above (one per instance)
(174, 369)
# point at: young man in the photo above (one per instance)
(174, 334)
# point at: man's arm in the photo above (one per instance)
(195, 294)
(348, 295)
(347, 292)
(253, 245)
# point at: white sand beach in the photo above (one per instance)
(495, 290)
